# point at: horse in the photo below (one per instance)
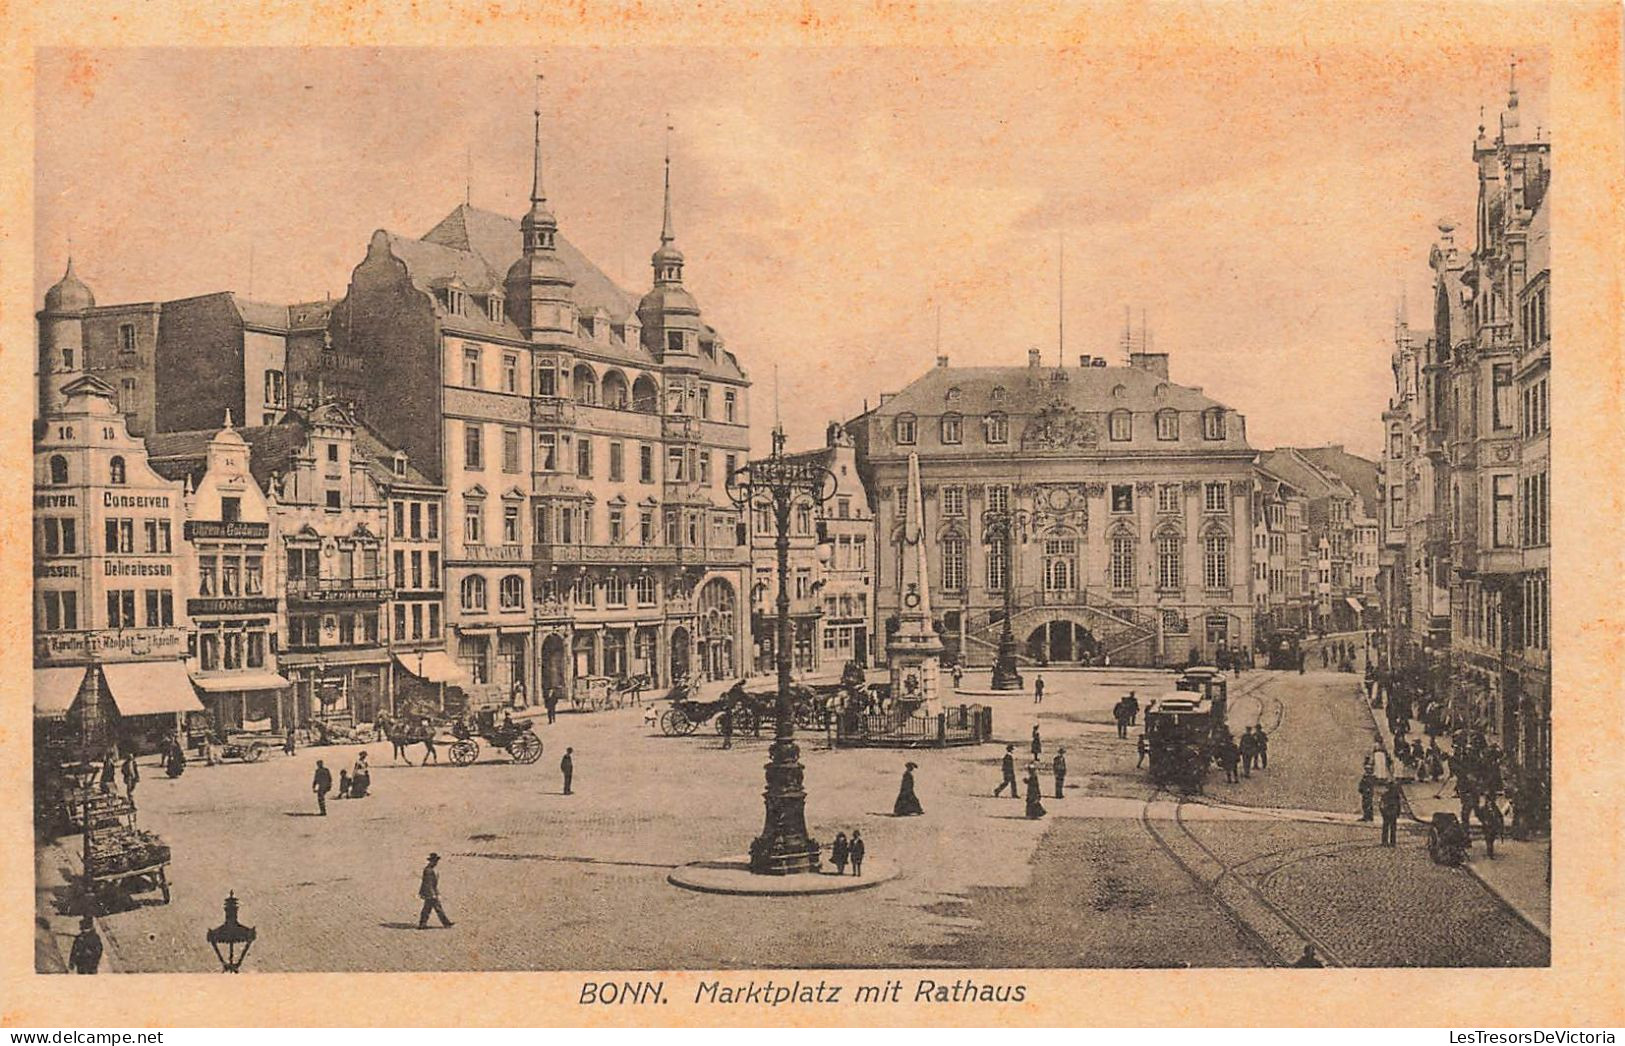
(400, 738)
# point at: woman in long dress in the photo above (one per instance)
(908, 804)
(1035, 806)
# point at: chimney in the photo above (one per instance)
(1155, 362)
(1083, 361)
(1032, 358)
(942, 361)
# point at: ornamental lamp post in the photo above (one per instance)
(233, 936)
(1000, 529)
(782, 483)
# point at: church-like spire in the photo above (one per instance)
(668, 260)
(537, 194)
(538, 226)
(666, 235)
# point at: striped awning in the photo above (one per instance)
(55, 690)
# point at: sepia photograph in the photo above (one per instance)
(795, 512)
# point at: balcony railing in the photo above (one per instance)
(636, 555)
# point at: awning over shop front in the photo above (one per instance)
(150, 687)
(242, 681)
(1354, 604)
(437, 667)
(55, 690)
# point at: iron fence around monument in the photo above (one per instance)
(960, 725)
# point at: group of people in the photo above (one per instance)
(1034, 791)
(1392, 802)
(1252, 750)
(1126, 712)
(125, 768)
(1339, 654)
(844, 851)
(354, 783)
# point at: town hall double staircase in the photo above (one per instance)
(1125, 635)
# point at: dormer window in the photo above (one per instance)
(997, 395)
(493, 308)
(674, 341)
(952, 429)
(1167, 424)
(996, 427)
(1121, 426)
(456, 301)
(953, 394)
(1213, 424)
(399, 465)
(906, 429)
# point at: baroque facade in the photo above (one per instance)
(1131, 497)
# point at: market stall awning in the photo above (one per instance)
(437, 667)
(241, 681)
(1354, 604)
(55, 690)
(150, 687)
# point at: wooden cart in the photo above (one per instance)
(119, 857)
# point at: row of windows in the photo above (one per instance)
(414, 614)
(473, 592)
(118, 473)
(1170, 499)
(232, 647)
(304, 630)
(349, 560)
(418, 520)
(613, 391)
(60, 610)
(1061, 569)
(417, 579)
(996, 427)
(237, 573)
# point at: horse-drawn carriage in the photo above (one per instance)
(519, 740)
(749, 705)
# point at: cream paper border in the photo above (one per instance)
(1583, 985)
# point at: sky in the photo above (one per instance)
(1263, 209)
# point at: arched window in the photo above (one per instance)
(1216, 560)
(646, 590)
(1170, 562)
(1121, 426)
(59, 469)
(907, 429)
(614, 391)
(511, 592)
(1060, 565)
(615, 590)
(1167, 424)
(115, 471)
(584, 383)
(996, 427)
(645, 395)
(473, 592)
(1122, 561)
(952, 428)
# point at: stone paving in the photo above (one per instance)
(538, 880)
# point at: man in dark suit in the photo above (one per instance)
(429, 891)
(567, 766)
(1008, 767)
(86, 954)
(321, 784)
(1390, 814)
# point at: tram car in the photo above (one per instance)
(1183, 729)
(1284, 647)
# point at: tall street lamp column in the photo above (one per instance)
(999, 532)
(781, 483)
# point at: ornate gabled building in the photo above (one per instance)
(1466, 535)
(1131, 493)
(583, 436)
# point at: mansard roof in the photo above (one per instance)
(1028, 389)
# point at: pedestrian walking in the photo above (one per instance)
(1249, 752)
(107, 772)
(1263, 741)
(431, 754)
(839, 851)
(1038, 691)
(1038, 743)
(1133, 708)
(175, 764)
(856, 852)
(1300, 662)
(907, 804)
(959, 675)
(1229, 756)
(360, 777)
(1035, 801)
(132, 775)
(1007, 767)
(1390, 814)
(86, 954)
(1059, 767)
(1325, 657)
(1467, 792)
(321, 784)
(567, 767)
(429, 891)
(287, 743)
(1120, 714)
(1493, 825)
(727, 727)
(550, 701)
(1368, 792)
(344, 784)
(1142, 748)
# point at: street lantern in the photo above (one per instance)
(781, 484)
(233, 936)
(1001, 528)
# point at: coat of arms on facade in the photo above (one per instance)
(1059, 426)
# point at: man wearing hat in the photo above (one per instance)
(86, 954)
(1008, 766)
(1060, 770)
(429, 890)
